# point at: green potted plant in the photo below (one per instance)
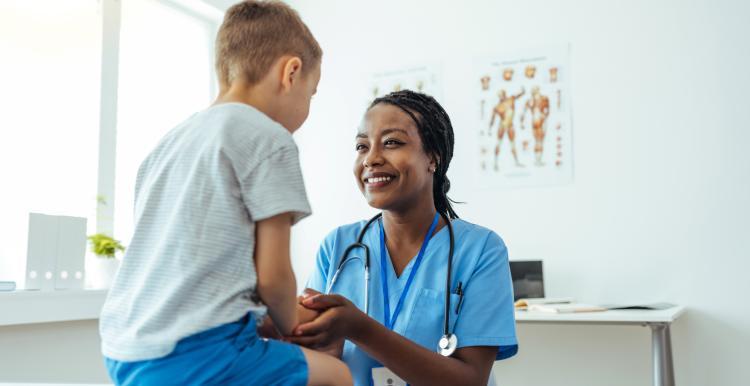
(105, 266)
(105, 246)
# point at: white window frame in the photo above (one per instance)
(111, 21)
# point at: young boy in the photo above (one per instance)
(215, 201)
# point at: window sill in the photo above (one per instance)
(28, 307)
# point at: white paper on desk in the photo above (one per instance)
(525, 303)
(565, 308)
(381, 376)
(639, 306)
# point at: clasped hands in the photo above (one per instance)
(324, 322)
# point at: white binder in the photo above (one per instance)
(41, 255)
(71, 252)
(56, 251)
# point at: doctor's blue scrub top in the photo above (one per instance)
(480, 263)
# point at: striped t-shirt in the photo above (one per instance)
(198, 195)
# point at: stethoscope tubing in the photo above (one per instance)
(359, 244)
(366, 262)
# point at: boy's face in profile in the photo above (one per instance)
(299, 99)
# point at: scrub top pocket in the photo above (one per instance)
(425, 325)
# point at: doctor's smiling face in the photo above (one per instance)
(392, 169)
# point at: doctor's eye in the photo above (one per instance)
(392, 143)
(360, 147)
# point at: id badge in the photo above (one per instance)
(381, 376)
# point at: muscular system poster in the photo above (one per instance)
(524, 120)
(421, 78)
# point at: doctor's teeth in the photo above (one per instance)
(378, 179)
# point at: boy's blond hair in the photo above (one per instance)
(255, 34)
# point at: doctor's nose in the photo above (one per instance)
(372, 158)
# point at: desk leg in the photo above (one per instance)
(661, 352)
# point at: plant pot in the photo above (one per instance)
(100, 272)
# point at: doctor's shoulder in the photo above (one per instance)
(483, 241)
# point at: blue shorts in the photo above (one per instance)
(231, 354)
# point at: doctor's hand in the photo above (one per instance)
(339, 319)
(268, 330)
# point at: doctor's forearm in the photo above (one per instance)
(412, 362)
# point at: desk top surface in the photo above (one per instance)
(26, 307)
(668, 315)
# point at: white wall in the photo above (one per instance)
(660, 202)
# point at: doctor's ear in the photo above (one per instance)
(434, 164)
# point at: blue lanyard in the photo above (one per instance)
(384, 272)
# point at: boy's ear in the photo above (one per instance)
(292, 71)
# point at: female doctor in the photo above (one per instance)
(403, 151)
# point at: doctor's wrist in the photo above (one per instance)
(360, 327)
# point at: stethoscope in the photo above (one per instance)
(449, 341)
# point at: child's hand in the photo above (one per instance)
(307, 293)
(268, 330)
(305, 314)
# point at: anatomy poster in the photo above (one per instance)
(524, 120)
(425, 79)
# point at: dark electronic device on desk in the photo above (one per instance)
(528, 279)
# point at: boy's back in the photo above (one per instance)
(189, 266)
(215, 202)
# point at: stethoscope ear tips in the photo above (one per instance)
(447, 345)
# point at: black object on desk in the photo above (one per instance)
(528, 279)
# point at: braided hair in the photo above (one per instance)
(436, 132)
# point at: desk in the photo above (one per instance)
(658, 320)
(26, 307)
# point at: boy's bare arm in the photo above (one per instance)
(267, 329)
(304, 315)
(277, 286)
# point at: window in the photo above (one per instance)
(51, 98)
(49, 126)
(166, 71)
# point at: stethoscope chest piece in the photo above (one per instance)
(447, 345)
